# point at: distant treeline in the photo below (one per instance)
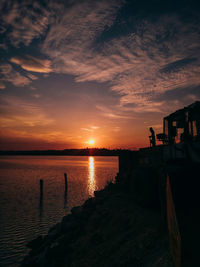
(67, 152)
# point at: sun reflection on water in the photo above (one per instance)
(91, 176)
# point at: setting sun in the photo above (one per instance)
(91, 141)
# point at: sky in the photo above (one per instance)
(72, 71)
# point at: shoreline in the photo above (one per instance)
(110, 229)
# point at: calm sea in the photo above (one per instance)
(23, 215)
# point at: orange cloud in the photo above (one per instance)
(34, 64)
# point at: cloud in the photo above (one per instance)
(2, 86)
(91, 128)
(27, 125)
(72, 33)
(34, 64)
(177, 65)
(178, 97)
(114, 112)
(158, 53)
(37, 95)
(95, 127)
(139, 49)
(8, 74)
(28, 116)
(23, 21)
(31, 76)
(86, 129)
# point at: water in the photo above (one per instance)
(23, 215)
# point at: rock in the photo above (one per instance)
(108, 230)
(76, 211)
(98, 193)
(56, 228)
(89, 206)
(36, 243)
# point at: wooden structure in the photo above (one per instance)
(182, 125)
(169, 174)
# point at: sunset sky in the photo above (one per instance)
(72, 71)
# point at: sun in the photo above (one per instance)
(91, 142)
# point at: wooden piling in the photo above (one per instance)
(66, 185)
(41, 188)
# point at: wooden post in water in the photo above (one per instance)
(66, 185)
(41, 188)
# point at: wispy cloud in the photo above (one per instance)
(23, 21)
(37, 95)
(25, 124)
(145, 57)
(156, 56)
(95, 127)
(34, 64)
(29, 115)
(8, 74)
(90, 129)
(86, 129)
(31, 76)
(28, 63)
(114, 112)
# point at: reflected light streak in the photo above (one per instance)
(91, 176)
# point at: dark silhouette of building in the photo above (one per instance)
(182, 126)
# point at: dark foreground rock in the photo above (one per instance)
(108, 230)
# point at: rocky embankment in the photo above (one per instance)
(110, 229)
